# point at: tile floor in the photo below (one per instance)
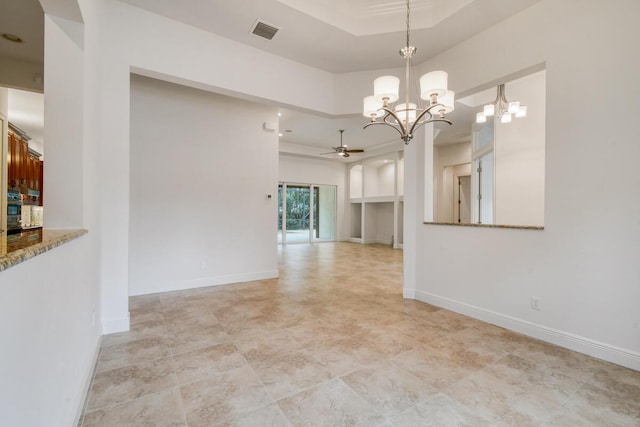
(332, 343)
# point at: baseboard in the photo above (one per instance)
(408, 293)
(87, 382)
(203, 282)
(115, 325)
(620, 356)
(378, 241)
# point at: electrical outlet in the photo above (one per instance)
(536, 303)
(203, 265)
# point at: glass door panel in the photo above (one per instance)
(298, 213)
(324, 213)
(280, 213)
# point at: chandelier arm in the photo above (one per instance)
(384, 123)
(425, 112)
(402, 129)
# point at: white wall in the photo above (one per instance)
(201, 166)
(384, 222)
(304, 170)
(64, 126)
(355, 181)
(129, 39)
(49, 340)
(519, 157)
(386, 179)
(583, 265)
(50, 309)
(447, 155)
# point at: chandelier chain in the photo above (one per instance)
(408, 28)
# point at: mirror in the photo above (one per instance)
(493, 172)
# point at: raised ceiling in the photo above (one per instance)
(341, 35)
(334, 35)
(368, 17)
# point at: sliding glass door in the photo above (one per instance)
(324, 213)
(298, 210)
(306, 213)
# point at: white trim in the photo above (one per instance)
(610, 353)
(115, 325)
(87, 383)
(408, 293)
(211, 281)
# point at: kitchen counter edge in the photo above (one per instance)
(51, 238)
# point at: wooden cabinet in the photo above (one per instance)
(24, 169)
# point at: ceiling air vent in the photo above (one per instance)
(264, 30)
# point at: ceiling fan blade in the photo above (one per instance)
(332, 152)
(356, 151)
(345, 154)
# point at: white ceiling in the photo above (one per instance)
(319, 33)
(26, 110)
(25, 19)
(345, 36)
(321, 133)
(334, 35)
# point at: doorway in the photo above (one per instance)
(306, 213)
(463, 192)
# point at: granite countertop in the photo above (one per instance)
(19, 247)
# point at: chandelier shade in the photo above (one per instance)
(386, 87)
(433, 83)
(372, 107)
(522, 112)
(405, 111)
(408, 116)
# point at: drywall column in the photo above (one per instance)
(415, 172)
(63, 110)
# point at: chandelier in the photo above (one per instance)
(502, 108)
(405, 118)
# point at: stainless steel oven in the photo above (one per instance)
(14, 210)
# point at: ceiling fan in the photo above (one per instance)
(342, 150)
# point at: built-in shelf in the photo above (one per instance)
(376, 200)
(380, 199)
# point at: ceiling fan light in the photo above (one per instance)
(386, 87)
(514, 107)
(522, 112)
(481, 118)
(433, 83)
(403, 112)
(505, 118)
(489, 110)
(372, 107)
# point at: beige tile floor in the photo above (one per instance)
(332, 343)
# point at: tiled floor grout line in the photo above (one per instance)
(378, 320)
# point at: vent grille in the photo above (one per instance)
(264, 30)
